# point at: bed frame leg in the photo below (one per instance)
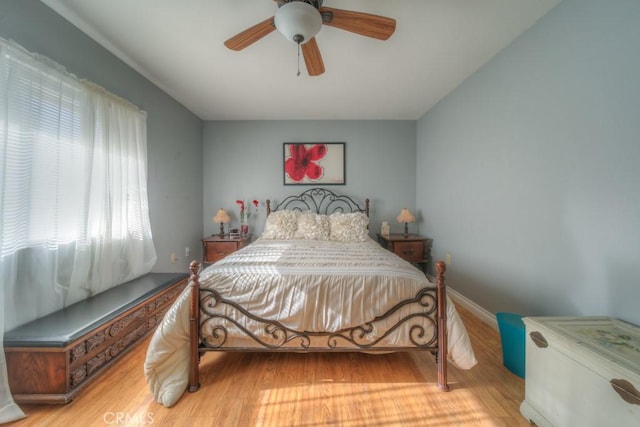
(441, 359)
(194, 328)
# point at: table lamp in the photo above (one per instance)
(221, 217)
(406, 217)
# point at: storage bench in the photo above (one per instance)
(50, 359)
(582, 371)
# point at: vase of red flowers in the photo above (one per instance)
(244, 227)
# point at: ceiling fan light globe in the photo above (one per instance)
(298, 19)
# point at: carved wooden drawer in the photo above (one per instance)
(582, 371)
(43, 370)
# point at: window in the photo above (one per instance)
(73, 198)
(73, 203)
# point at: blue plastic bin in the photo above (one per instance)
(513, 342)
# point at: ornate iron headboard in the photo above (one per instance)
(320, 201)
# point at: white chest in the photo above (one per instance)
(582, 371)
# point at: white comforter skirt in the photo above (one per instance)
(305, 285)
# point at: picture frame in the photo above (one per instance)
(314, 163)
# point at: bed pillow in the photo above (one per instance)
(312, 226)
(349, 227)
(281, 225)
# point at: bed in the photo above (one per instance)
(313, 281)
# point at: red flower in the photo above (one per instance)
(256, 203)
(241, 203)
(301, 162)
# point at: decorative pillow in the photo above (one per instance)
(349, 227)
(281, 225)
(312, 226)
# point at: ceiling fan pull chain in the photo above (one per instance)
(298, 60)
(298, 39)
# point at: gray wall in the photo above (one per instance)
(528, 173)
(243, 160)
(174, 134)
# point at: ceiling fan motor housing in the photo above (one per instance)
(315, 3)
(298, 21)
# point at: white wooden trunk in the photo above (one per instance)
(570, 381)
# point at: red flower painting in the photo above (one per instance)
(302, 161)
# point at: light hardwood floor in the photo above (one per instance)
(275, 389)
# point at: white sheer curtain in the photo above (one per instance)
(73, 202)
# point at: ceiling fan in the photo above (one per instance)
(300, 20)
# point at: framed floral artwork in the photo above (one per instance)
(314, 163)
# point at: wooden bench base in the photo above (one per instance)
(42, 371)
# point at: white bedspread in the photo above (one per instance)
(306, 285)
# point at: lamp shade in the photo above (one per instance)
(406, 216)
(298, 21)
(221, 217)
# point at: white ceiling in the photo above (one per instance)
(178, 45)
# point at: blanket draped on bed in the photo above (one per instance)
(306, 285)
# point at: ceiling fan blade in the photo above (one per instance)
(250, 35)
(365, 24)
(312, 58)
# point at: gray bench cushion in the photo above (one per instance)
(62, 327)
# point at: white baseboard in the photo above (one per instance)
(480, 312)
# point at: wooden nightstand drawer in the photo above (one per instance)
(217, 251)
(215, 248)
(410, 247)
(411, 251)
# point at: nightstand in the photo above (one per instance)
(414, 248)
(215, 248)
